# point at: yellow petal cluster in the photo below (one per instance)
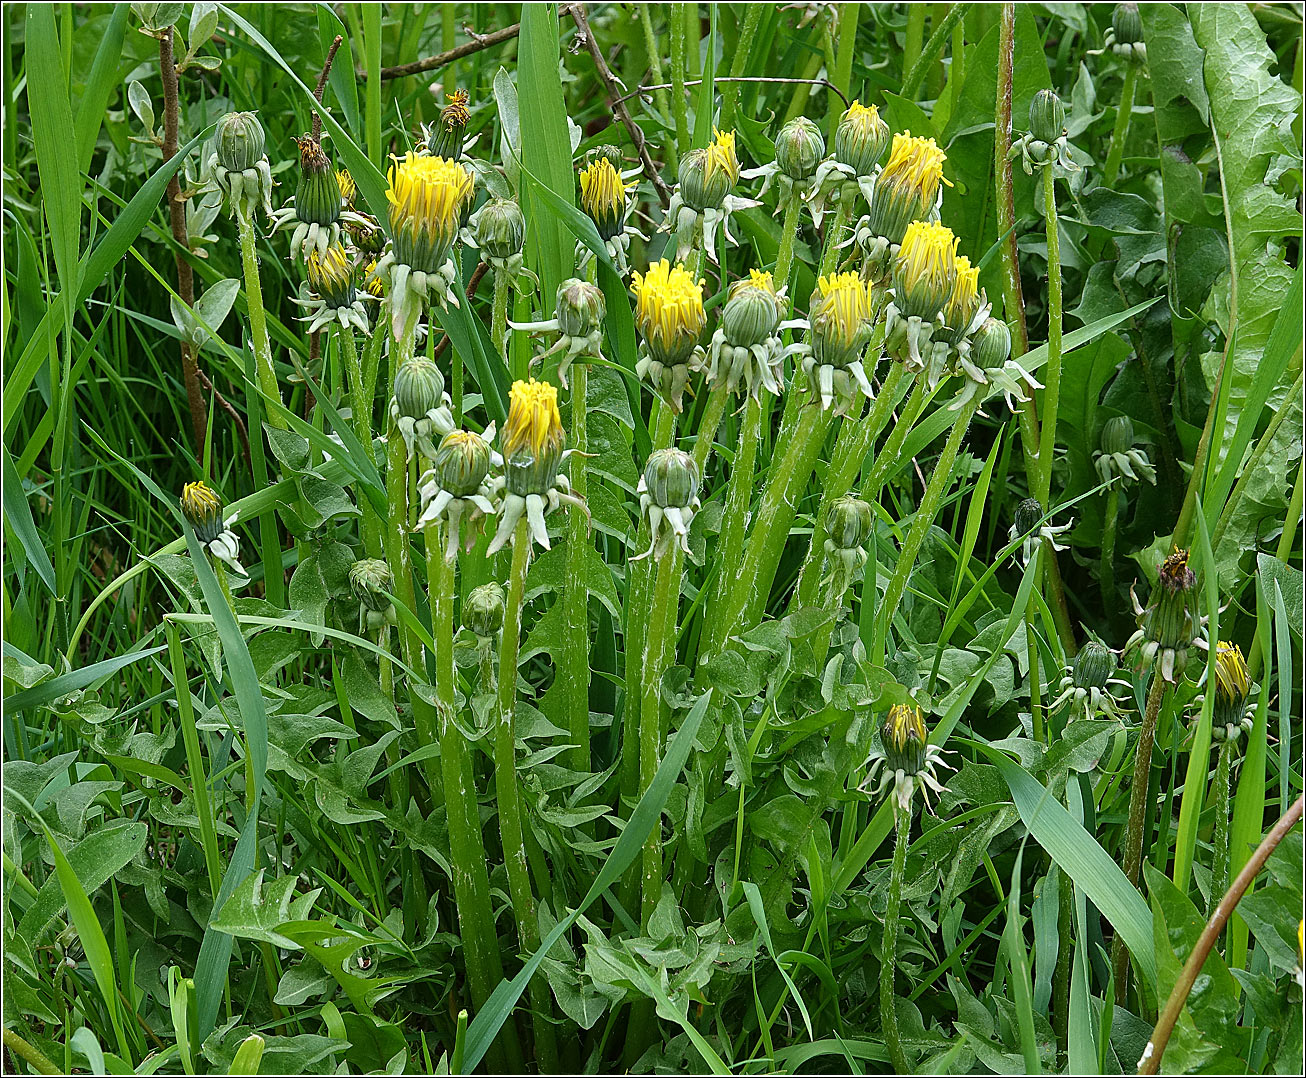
(925, 272)
(842, 309)
(603, 196)
(721, 156)
(1232, 680)
(905, 728)
(426, 196)
(964, 301)
(330, 274)
(907, 188)
(348, 188)
(533, 422)
(668, 310)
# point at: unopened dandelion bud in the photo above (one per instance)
(331, 276)
(708, 175)
(1047, 117)
(426, 197)
(367, 235)
(606, 152)
(861, 138)
(447, 134)
(581, 307)
(1170, 623)
(990, 347)
(348, 188)
(1233, 683)
(461, 462)
(1127, 24)
(500, 228)
(483, 610)
(370, 580)
(850, 523)
(317, 198)
(202, 508)
(1094, 665)
(1028, 516)
(419, 387)
(799, 148)
(752, 311)
(668, 498)
(1118, 434)
(240, 141)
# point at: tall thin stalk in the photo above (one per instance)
(258, 323)
(920, 525)
(574, 661)
(889, 944)
(1120, 133)
(509, 797)
(1137, 821)
(1220, 832)
(1052, 390)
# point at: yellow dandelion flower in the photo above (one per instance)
(721, 156)
(841, 315)
(925, 271)
(1232, 679)
(533, 423)
(427, 196)
(203, 509)
(904, 737)
(348, 188)
(603, 197)
(964, 301)
(331, 275)
(908, 187)
(668, 310)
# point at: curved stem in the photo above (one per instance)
(509, 799)
(705, 437)
(889, 945)
(1151, 1061)
(1120, 133)
(27, 1051)
(499, 314)
(784, 258)
(258, 325)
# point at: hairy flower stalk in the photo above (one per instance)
(471, 882)
(921, 521)
(239, 169)
(506, 785)
(1229, 723)
(1169, 626)
(574, 664)
(905, 763)
(498, 229)
(1120, 463)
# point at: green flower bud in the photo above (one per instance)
(1028, 516)
(461, 462)
(851, 520)
(1127, 24)
(202, 508)
(799, 148)
(317, 197)
(752, 311)
(1118, 435)
(671, 478)
(419, 387)
(581, 307)
(368, 236)
(608, 153)
(861, 138)
(904, 739)
(1094, 665)
(240, 141)
(1047, 117)
(331, 276)
(369, 579)
(1170, 623)
(483, 610)
(700, 190)
(991, 346)
(500, 228)
(446, 137)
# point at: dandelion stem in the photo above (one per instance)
(1137, 820)
(739, 496)
(1120, 133)
(499, 314)
(1106, 574)
(360, 404)
(889, 943)
(574, 662)
(855, 442)
(1220, 834)
(258, 325)
(1052, 391)
(509, 799)
(743, 50)
(679, 106)
(920, 525)
(784, 258)
(655, 69)
(833, 236)
(471, 882)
